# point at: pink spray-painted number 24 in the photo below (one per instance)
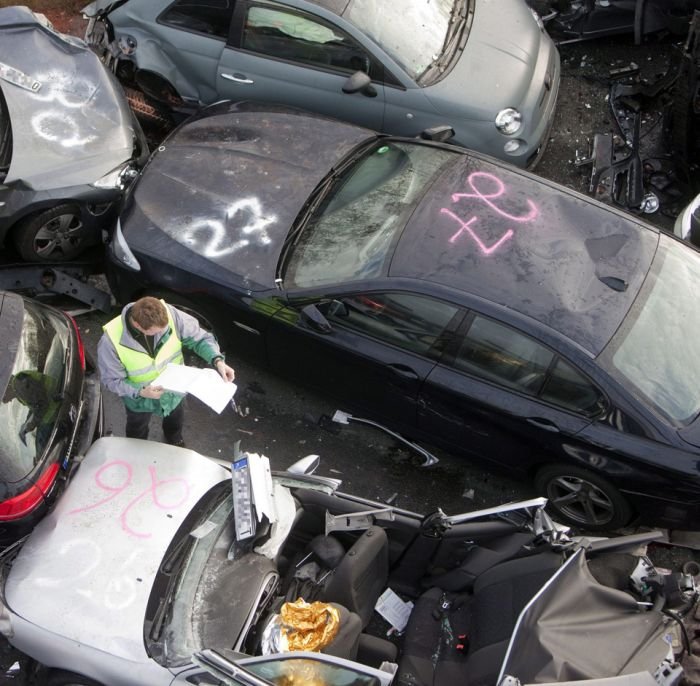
(496, 189)
(122, 473)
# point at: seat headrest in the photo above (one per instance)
(328, 550)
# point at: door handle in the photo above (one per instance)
(543, 424)
(404, 371)
(238, 78)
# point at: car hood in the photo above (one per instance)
(71, 123)
(220, 195)
(101, 546)
(496, 66)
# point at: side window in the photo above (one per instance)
(500, 354)
(411, 322)
(300, 38)
(566, 387)
(212, 17)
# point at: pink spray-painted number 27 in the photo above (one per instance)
(116, 477)
(495, 189)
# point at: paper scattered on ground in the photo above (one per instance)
(393, 609)
(205, 384)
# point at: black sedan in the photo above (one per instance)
(454, 298)
(50, 409)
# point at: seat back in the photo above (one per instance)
(362, 574)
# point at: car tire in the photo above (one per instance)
(61, 678)
(582, 498)
(54, 235)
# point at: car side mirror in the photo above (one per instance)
(307, 465)
(337, 308)
(312, 317)
(438, 133)
(359, 82)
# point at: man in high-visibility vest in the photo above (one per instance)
(136, 347)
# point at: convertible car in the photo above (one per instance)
(156, 554)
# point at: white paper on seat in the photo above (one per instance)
(395, 610)
(205, 384)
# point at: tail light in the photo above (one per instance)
(81, 347)
(24, 503)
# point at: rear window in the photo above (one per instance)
(33, 396)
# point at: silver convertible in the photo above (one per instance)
(156, 556)
(487, 69)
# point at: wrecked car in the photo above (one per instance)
(160, 553)
(50, 409)
(488, 70)
(451, 297)
(570, 21)
(69, 143)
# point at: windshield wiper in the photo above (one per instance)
(458, 18)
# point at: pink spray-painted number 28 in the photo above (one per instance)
(116, 477)
(495, 189)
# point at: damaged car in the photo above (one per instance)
(50, 409)
(69, 143)
(489, 70)
(571, 21)
(456, 299)
(156, 554)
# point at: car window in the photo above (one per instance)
(32, 400)
(212, 17)
(409, 321)
(503, 355)
(568, 388)
(307, 671)
(300, 38)
(5, 138)
(349, 237)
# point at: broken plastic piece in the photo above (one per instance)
(341, 417)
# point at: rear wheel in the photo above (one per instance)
(581, 498)
(54, 235)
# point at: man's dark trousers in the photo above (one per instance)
(137, 424)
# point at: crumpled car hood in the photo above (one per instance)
(101, 546)
(495, 69)
(77, 126)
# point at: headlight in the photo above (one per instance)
(121, 251)
(509, 121)
(116, 178)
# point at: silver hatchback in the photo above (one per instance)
(487, 69)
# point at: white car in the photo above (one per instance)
(157, 555)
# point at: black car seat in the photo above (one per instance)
(347, 640)
(353, 578)
(454, 638)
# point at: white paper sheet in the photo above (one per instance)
(205, 384)
(393, 609)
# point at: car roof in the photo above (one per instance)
(335, 6)
(514, 239)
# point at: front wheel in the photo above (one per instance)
(54, 235)
(581, 498)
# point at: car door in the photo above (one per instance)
(370, 350)
(505, 397)
(284, 55)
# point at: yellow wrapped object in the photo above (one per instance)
(309, 626)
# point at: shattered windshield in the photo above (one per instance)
(349, 237)
(389, 24)
(32, 399)
(655, 350)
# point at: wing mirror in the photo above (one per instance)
(312, 317)
(359, 82)
(307, 465)
(438, 133)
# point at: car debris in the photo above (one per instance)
(649, 164)
(429, 459)
(572, 21)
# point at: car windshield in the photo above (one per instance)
(427, 22)
(32, 399)
(655, 349)
(348, 238)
